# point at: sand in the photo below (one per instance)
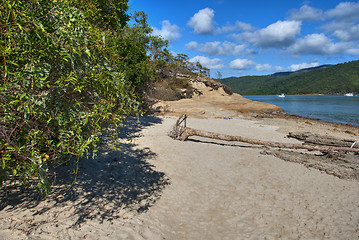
(160, 188)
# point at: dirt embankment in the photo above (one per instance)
(210, 102)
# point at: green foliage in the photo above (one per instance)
(337, 79)
(61, 84)
(104, 14)
(68, 69)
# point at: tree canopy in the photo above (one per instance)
(68, 69)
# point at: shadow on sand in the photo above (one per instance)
(107, 186)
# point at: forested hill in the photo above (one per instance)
(327, 79)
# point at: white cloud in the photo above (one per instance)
(344, 25)
(267, 67)
(306, 13)
(345, 11)
(352, 48)
(238, 26)
(216, 48)
(347, 34)
(336, 25)
(202, 22)
(295, 67)
(208, 62)
(313, 44)
(241, 64)
(279, 34)
(168, 31)
(322, 45)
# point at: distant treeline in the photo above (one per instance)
(327, 79)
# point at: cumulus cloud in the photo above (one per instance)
(306, 13)
(313, 44)
(202, 22)
(168, 31)
(216, 48)
(238, 26)
(322, 45)
(267, 67)
(344, 25)
(241, 64)
(347, 34)
(208, 62)
(295, 67)
(279, 34)
(345, 11)
(336, 25)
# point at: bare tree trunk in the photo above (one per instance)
(310, 138)
(182, 132)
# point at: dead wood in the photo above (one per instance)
(181, 132)
(316, 139)
(345, 166)
(179, 128)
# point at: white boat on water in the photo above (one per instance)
(282, 95)
(349, 94)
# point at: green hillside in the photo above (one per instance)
(329, 79)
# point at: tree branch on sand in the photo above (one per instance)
(181, 132)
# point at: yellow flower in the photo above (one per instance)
(46, 158)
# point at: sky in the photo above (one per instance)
(256, 37)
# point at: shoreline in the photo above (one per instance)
(349, 126)
(322, 118)
(159, 188)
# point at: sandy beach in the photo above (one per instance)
(160, 188)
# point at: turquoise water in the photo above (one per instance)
(331, 108)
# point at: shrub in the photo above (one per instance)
(59, 88)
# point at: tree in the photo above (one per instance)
(60, 84)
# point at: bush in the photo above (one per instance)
(59, 88)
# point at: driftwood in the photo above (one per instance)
(311, 138)
(181, 132)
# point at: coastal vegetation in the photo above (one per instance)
(70, 70)
(328, 79)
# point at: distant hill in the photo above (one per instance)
(301, 70)
(325, 79)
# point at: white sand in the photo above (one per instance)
(216, 191)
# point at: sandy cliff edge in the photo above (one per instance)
(214, 103)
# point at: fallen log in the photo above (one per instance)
(181, 132)
(316, 139)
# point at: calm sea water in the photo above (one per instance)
(330, 108)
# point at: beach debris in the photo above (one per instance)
(180, 131)
(344, 166)
(310, 138)
(179, 127)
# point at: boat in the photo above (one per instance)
(349, 94)
(282, 95)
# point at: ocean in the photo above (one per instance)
(331, 108)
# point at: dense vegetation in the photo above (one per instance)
(336, 79)
(68, 70)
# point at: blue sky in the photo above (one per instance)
(238, 38)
